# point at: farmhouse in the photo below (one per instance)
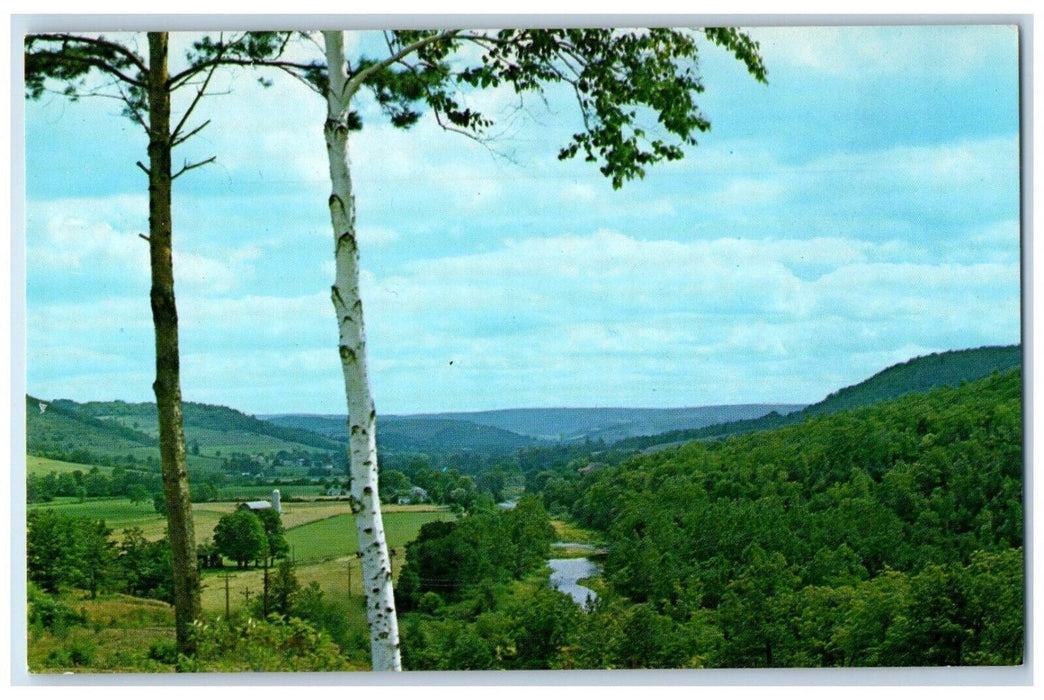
(263, 505)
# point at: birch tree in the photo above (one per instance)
(99, 66)
(635, 92)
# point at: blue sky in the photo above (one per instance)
(860, 209)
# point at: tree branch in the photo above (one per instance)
(188, 73)
(182, 139)
(192, 106)
(134, 111)
(104, 67)
(185, 168)
(291, 71)
(359, 78)
(122, 50)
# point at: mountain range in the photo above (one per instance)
(115, 426)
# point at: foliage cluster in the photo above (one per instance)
(277, 644)
(448, 558)
(246, 535)
(67, 551)
(885, 536)
(864, 538)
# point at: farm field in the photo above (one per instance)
(120, 626)
(335, 536)
(118, 513)
(401, 522)
(323, 543)
(42, 466)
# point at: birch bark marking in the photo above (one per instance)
(168, 373)
(362, 416)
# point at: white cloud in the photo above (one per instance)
(748, 192)
(93, 246)
(752, 270)
(570, 307)
(947, 51)
(73, 235)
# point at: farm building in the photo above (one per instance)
(264, 505)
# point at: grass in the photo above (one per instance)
(117, 637)
(118, 513)
(41, 466)
(336, 536)
(323, 551)
(247, 492)
(570, 532)
(245, 585)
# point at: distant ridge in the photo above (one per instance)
(510, 429)
(611, 424)
(917, 375)
(55, 427)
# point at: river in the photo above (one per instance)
(566, 572)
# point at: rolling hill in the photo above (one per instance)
(57, 426)
(117, 428)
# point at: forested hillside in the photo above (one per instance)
(881, 536)
(916, 375)
(416, 433)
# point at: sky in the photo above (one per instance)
(859, 210)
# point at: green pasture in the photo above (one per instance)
(228, 441)
(118, 513)
(41, 466)
(323, 551)
(316, 529)
(336, 536)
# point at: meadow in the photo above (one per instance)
(41, 466)
(323, 543)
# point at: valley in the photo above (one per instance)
(757, 545)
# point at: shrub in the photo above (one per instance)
(164, 650)
(275, 644)
(49, 613)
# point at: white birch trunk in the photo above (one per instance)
(362, 416)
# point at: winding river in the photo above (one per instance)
(566, 572)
